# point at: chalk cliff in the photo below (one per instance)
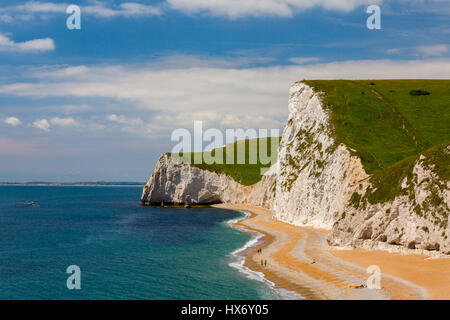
(318, 182)
(174, 182)
(417, 218)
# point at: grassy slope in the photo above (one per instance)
(389, 128)
(245, 173)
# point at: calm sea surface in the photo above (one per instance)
(124, 251)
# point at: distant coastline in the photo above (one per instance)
(77, 184)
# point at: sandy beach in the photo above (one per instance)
(300, 260)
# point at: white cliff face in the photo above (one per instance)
(313, 184)
(177, 183)
(315, 178)
(417, 219)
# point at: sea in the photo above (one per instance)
(93, 242)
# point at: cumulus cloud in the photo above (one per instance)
(280, 8)
(128, 9)
(38, 7)
(172, 97)
(13, 121)
(98, 9)
(32, 46)
(231, 9)
(64, 122)
(42, 124)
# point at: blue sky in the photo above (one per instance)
(100, 103)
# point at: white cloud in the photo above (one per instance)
(304, 60)
(64, 122)
(433, 50)
(41, 124)
(172, 97)
(33, 46)
(38, 7)
(232, 9)
(13, 121)
(128, 9)
(98, 9)
(235, 9)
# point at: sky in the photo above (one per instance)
(100, 103)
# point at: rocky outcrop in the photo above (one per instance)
(175, 182)
(418, 218)
(318, 182)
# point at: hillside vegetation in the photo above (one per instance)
(245, 172)
(383, 120)
(389, 124)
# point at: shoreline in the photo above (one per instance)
(300, 261)
(257, 240)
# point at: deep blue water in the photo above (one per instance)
(124, 250)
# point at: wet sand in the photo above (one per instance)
(300, 260)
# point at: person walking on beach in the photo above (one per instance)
(261, 262)
(265, 263)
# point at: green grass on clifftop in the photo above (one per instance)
(244, 172)
(383, 121)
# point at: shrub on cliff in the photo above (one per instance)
(419, 93)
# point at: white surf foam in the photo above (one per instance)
(238, 262)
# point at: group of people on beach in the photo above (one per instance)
(263, 262)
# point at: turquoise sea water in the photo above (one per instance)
(124, 250)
